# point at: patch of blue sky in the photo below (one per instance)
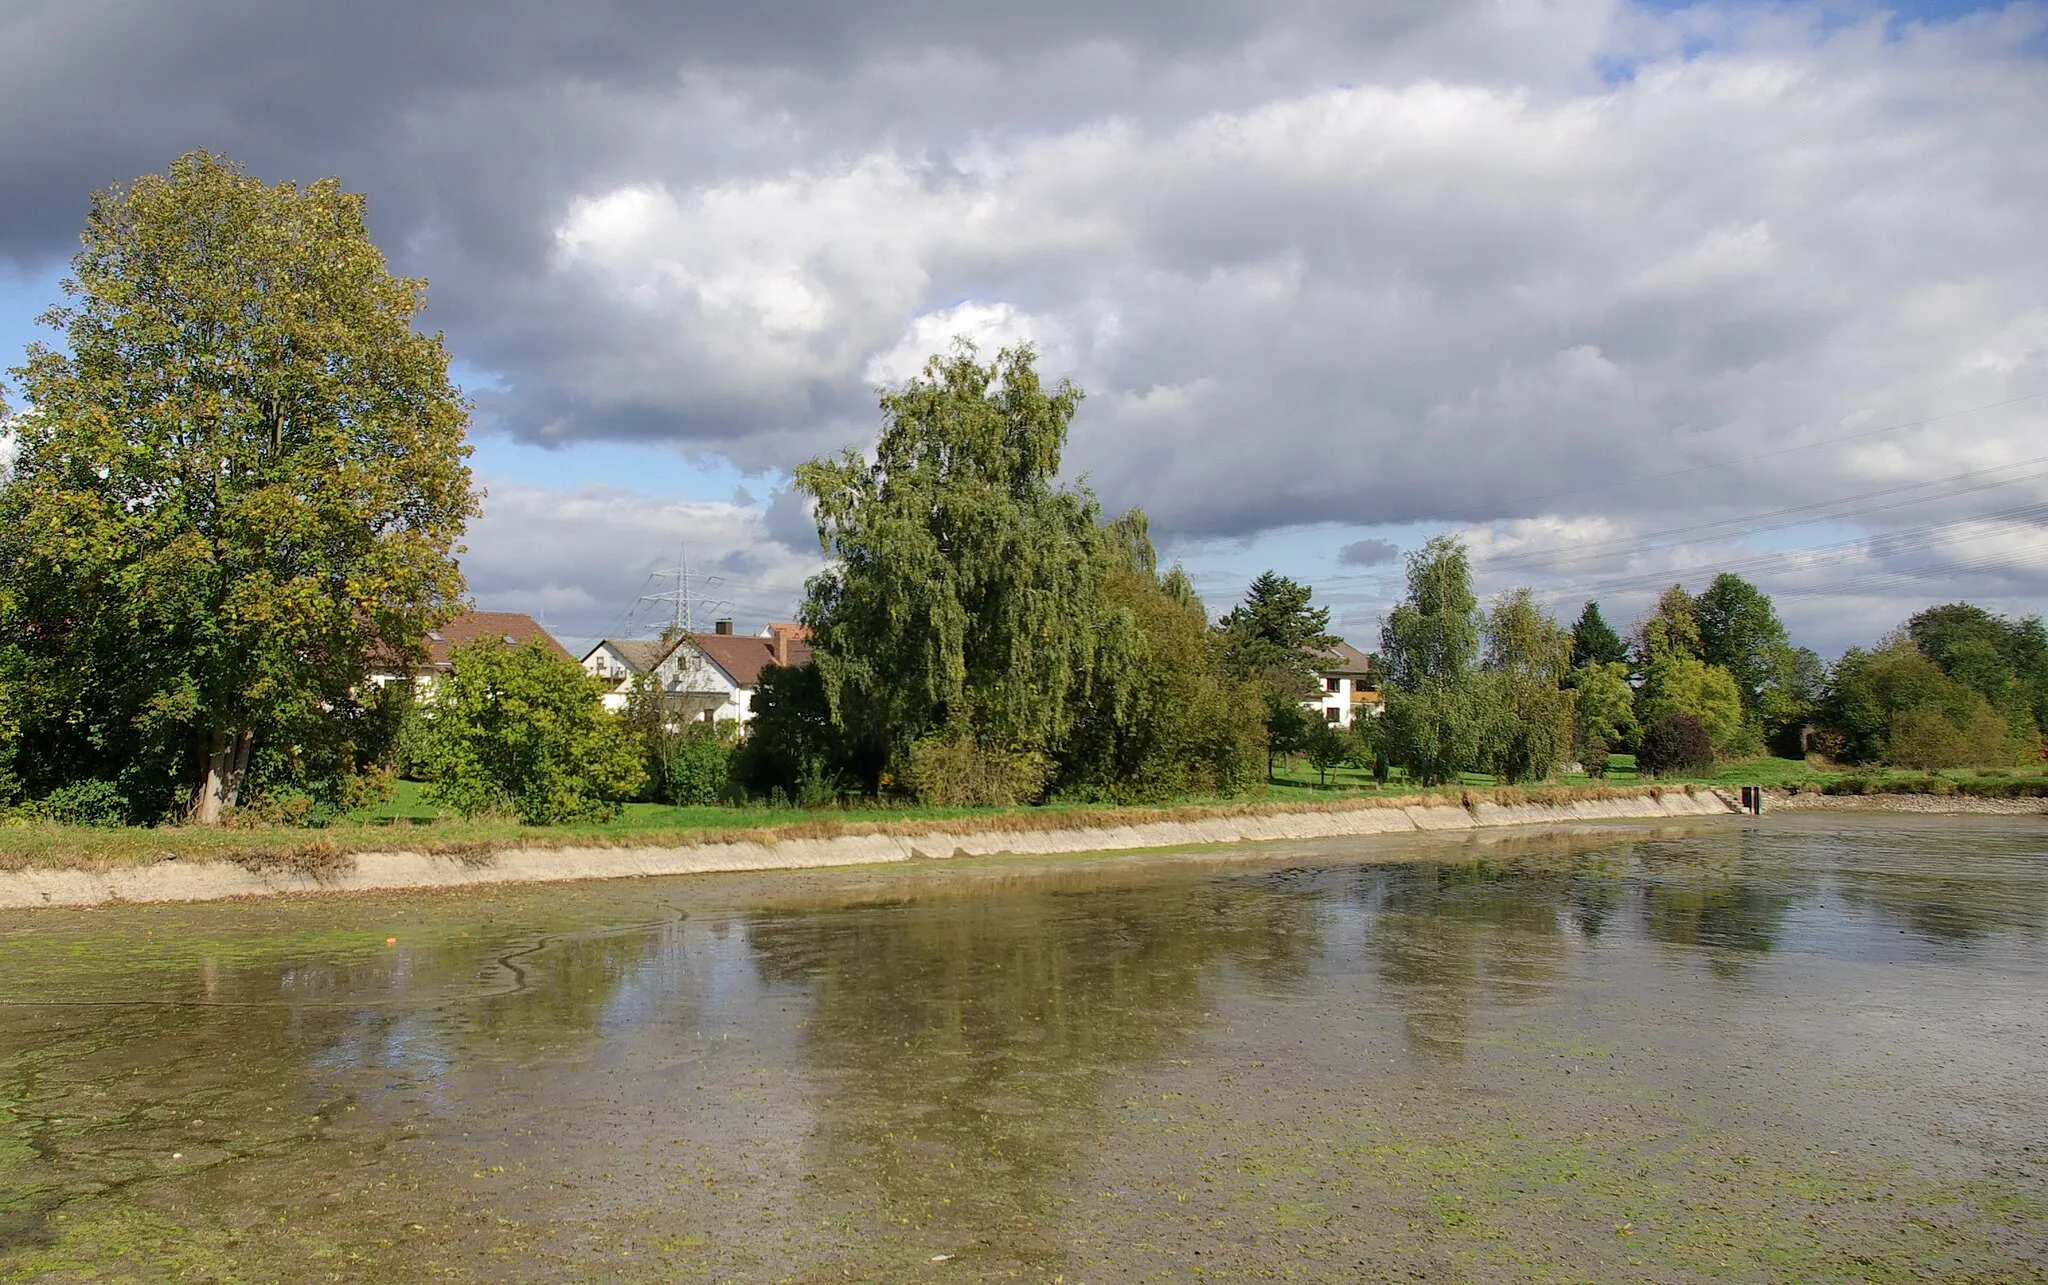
(1615, 69)
(1222, 568)
(23, 297)
(656, 471)
(1839, 12)
(646, 470)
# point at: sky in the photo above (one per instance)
(1623, 294)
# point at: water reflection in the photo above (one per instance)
(817, 1071)
(963, 1048)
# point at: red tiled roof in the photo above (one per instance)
(513, 627)
(743, 659)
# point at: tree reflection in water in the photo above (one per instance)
(965, 1045)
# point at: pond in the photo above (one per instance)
(1801, 1048)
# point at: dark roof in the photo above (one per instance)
(643, 654)
(513, 627)
(1342, 659)
(743, 659)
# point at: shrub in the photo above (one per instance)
(952, 771)
(95, 803)
(1328, 747)
(1675, 744)
(1928, 736)
(521, 730)
(1593, 754)
(697, 769)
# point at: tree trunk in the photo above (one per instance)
(223, 760)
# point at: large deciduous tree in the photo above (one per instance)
(967, 596)
(1436, 714)
(1527, 658)
(240, 478)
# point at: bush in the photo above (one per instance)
(95, 803)
(1593, 757)
(697, 769)
(521, 730)
(1928, 736)
(1674, 745)
(952, 771)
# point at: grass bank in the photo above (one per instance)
(408, 823)
(403, 825)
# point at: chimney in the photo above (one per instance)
(722, 627)
(781, 644)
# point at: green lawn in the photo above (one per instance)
(407, 820)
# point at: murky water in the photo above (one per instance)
(1812, 1048)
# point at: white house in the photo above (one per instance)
(1345, 676)
(711, 676)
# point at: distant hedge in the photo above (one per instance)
(1981, 788)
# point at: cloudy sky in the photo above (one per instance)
(1627, 293)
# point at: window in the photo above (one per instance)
(1330, 682)
(1332, 714)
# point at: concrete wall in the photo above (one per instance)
(210, 881)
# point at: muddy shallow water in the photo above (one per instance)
(1806, 1048)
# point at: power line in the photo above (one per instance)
(1764, 563)
(1636, 543)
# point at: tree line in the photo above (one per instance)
(238, 488)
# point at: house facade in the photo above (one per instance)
(705, 677)
(1347, 687)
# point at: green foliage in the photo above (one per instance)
(1168, 723)
(982, 629)
(1673, 629)
(1288, 725)
(240, 478)
(1677, 680)
(967, 592)
(1605, 711)
(1436, 715)
(1433, 636)
(519, 730)
(688, 761)
(1269, 636)
(1435, 731)
(1328, 747)
(1676, 683)
(1267, 644)
(1594, 641)
(949, 770)
(1675, 745)
(90, 803)
(791, 740)
(697, 767)
(1739, 630)
(1527, 656)
(1929, 736)
(1895, 705)
(2004, 661)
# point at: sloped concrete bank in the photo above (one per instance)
(385, 871)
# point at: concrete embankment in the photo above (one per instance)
(1926, 804)
(384, 871)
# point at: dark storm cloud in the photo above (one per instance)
(1314, 262)
(1367, 553)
